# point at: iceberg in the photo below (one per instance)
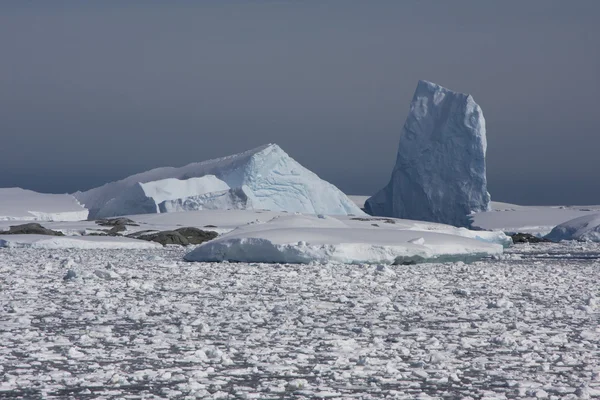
(262, 178)
(440, 173)
(586, 228)
(303, 239)
(27, 205)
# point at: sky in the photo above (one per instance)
(91, 92)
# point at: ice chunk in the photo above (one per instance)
(439, 174)
(267, 176)
(586, 228)
(305, 239)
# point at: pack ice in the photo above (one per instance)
(439, 174)
(262, 178)
(27, 205)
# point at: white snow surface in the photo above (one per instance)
(440, 172)
(306, 239)
(27, 205)
(586, 228)
(74, 242)
(536, 220)
(268, 175)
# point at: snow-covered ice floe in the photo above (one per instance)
(586, 228)
(27, 205)
(535, 220)
(306, 239)
(261, 178)
(74, 242)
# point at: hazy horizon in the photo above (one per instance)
(95, 92)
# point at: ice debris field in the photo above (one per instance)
(146, 324)
(113, 317)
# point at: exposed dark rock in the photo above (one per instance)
(181, 236)
(70, 275)
(210, 226)
(166, 237)
(116, 221)
(527, 238)
(197, 236)
(30, 229)
(385, 220)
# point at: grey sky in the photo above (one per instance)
(93, 91)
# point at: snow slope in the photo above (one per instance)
(269, 176)
(440, 172)
(27, 205)
(306, 239)
(586, 228)
(71, 242)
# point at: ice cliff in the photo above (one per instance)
(262, 178)
(439, 174)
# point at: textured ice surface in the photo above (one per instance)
(27, 205)
(440, 173)
(146, 198)
(585, 228)
(232, 199)
(306, 239)
(269, 176)
(144, 324)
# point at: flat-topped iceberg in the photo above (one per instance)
(439, 174)
(262, 178)
(27, 205)
(306, 239)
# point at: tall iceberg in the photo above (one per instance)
(262, 178)
(439, 174)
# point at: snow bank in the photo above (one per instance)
(440, 172)
(305, 239)
(74, 242)
(586, 228)
(27, 205)
(267, 175)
